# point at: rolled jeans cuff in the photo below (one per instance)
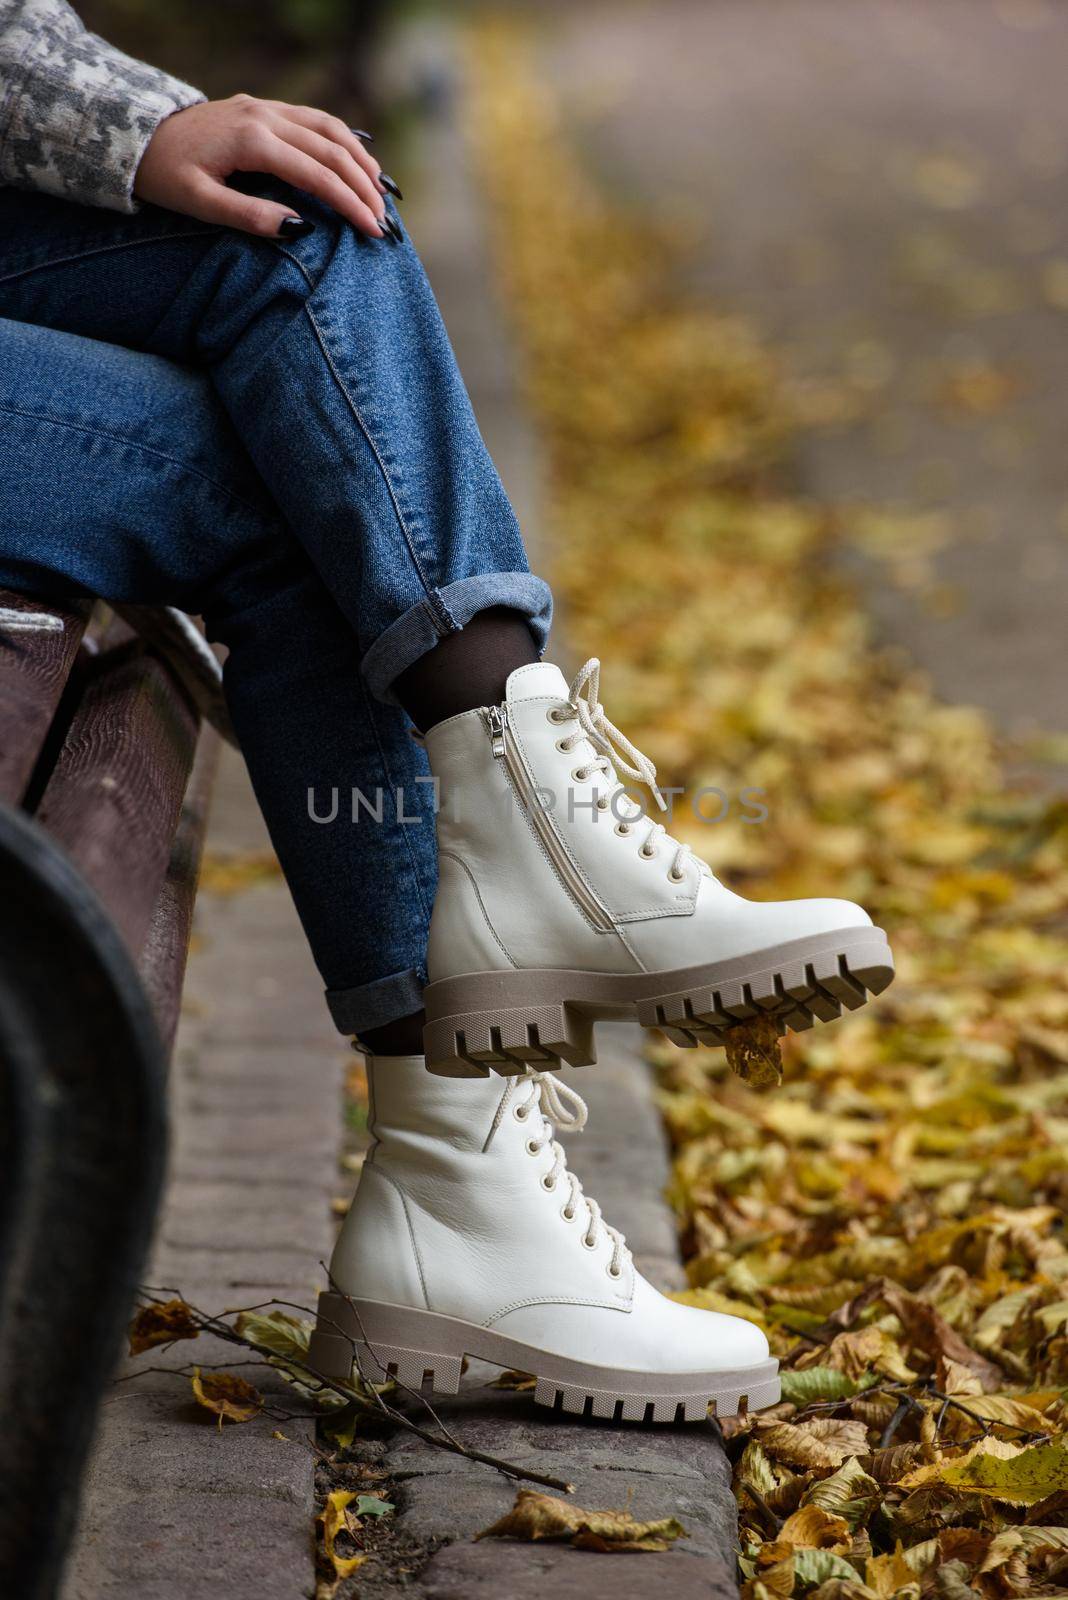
(446, 611)
(371, 1005)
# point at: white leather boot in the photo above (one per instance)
(469, 1237)
(561, 902)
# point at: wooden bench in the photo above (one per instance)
(105, 776)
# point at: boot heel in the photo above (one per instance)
(411, 1369)
(334, 1357)
(330, 1356)
(333, 1351)
(508, 1041)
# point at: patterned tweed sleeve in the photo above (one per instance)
(75, 113)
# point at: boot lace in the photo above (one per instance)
(616, 754)
(562, 1109)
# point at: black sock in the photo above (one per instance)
(467, 669)
(403, 1037)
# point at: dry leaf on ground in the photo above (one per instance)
(1017, 1475)
(160, 1324)
(334, 1519)
(229, 1397)
(542, 1516)
(511, 1379)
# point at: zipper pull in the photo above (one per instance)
(496, 721)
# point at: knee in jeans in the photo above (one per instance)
(310, 252)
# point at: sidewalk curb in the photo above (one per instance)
(173, 1508)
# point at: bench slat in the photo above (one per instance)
(36, 657)
(115, 795)
(166, 947)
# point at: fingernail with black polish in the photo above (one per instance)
(389, 185)
(362, 133)
(295, 228)
(394, 227)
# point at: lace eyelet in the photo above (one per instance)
(567, 1213)
(615, 1272)
(533, 1147)
(676, 877)
(588, 1243)
(564, 745)
(555, 716)
(521, 1113)
(548, 1183)
(603, 803)
(579, 775)
(647, 854)
(623, 829)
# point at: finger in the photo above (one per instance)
(211, 201)
(331, 155)
(332, 128)
(304, 172)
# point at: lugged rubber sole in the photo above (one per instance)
(425, 1349)
(518, 1021)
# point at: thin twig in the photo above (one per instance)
(889, 1389)
(904, 1406)
(415, 1394)
(448, 1440)
(185, 1371)
(206, 1323)
(774, 1521)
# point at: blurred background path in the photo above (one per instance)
(881, 186)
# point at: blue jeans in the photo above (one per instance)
(272, 435)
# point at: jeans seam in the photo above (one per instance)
(443, 620)
(103, 249)
(371, 710)
(132, 444)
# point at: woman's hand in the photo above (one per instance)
(193, 152)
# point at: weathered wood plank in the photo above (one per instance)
(38, 646)
(114, 798)
(166, 946)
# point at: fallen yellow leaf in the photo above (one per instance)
(814, 1528)
(332, 1520)
(541, 1516)
(161, 1324)
(886, 1575)
(1017, 1475)
(231, 1398)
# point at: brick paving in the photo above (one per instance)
(173, 1508)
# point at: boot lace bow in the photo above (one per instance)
(563, 1110)
(617, 755)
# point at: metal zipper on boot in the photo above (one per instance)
(504, 749)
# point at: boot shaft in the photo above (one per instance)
(409, 1109)
(458, 1203)
(532, 870)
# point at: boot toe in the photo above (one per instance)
(722, 1343)
(830, 915)
(800, 919)
(698, 1340)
